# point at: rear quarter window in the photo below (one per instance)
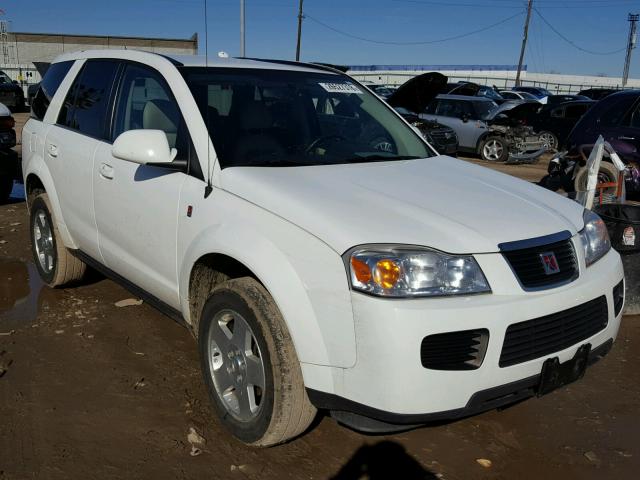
(48, 88)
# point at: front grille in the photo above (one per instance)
(462, 350)
(528, 266)
(536, 338)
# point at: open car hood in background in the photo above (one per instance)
(416, 93)
(469, 89)
(42, 67)
(520, 112)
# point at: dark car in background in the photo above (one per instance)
(556, 99)
(9, 164)
(617, 118)
(11, 93)
(554, 122)
(598, 93)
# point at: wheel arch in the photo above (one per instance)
(38, 178)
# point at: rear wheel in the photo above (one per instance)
(55, 263)
(250, 365)
(494, 149)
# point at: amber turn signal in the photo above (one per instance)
(361, 270)
(387, 273)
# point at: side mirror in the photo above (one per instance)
(16, 82)
(144, 147)
(465, 117)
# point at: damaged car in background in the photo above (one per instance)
(497, 133)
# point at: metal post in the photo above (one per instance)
(524, 41)
(631, 44)
(300, 17)
(242, 48)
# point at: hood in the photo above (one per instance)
(42, 67)
(415, 94)
(469, 89)
(438, 202)
(517, 111)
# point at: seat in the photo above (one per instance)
(162, 115)
(255, 141)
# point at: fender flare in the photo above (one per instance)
(249, 247)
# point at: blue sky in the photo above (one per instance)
(595, 25)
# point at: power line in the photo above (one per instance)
(571, 42)
(518, 4)
(426, 42)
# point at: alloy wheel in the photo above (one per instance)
(236, 365)
(43, 241)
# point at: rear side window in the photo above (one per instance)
(85, 108)
(48, 87)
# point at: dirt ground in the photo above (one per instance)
(89, 390)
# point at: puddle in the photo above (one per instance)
(20, 287)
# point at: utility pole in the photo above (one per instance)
(242, 51)
(631, 44)
(300, 17)
(524, 41)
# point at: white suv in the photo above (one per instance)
(320, 251)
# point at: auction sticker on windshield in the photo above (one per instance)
(341, 88)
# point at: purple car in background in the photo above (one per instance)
(617, 118)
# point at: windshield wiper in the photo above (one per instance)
(380, 158)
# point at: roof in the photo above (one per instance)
(192, 39)
(193, 60)
(465, 97)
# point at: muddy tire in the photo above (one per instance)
(250, 365)
(494, 149)
(549, 139)
(6, 185)
(607, 174)
(55, 263)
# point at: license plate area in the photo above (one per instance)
(555, 374)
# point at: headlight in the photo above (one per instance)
(413, 272)
(594, 237)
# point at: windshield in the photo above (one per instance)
(528, 96)
(266, 117)
(4, 78)
(485, 110)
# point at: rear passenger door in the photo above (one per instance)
(70, 146)
(137, 205)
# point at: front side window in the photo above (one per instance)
(48, 88)
(85, 107)
(485, 110)
(262, 117)
(146, 102)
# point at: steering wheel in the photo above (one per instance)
(322, 139)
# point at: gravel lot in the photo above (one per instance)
(92, 390)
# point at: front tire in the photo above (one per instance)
(549, 140)
(55, 263)
(250, 365)
(494, 149)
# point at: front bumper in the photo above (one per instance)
(388, 379)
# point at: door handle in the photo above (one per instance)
(622, 137)
(106, 171)
(52, 149)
